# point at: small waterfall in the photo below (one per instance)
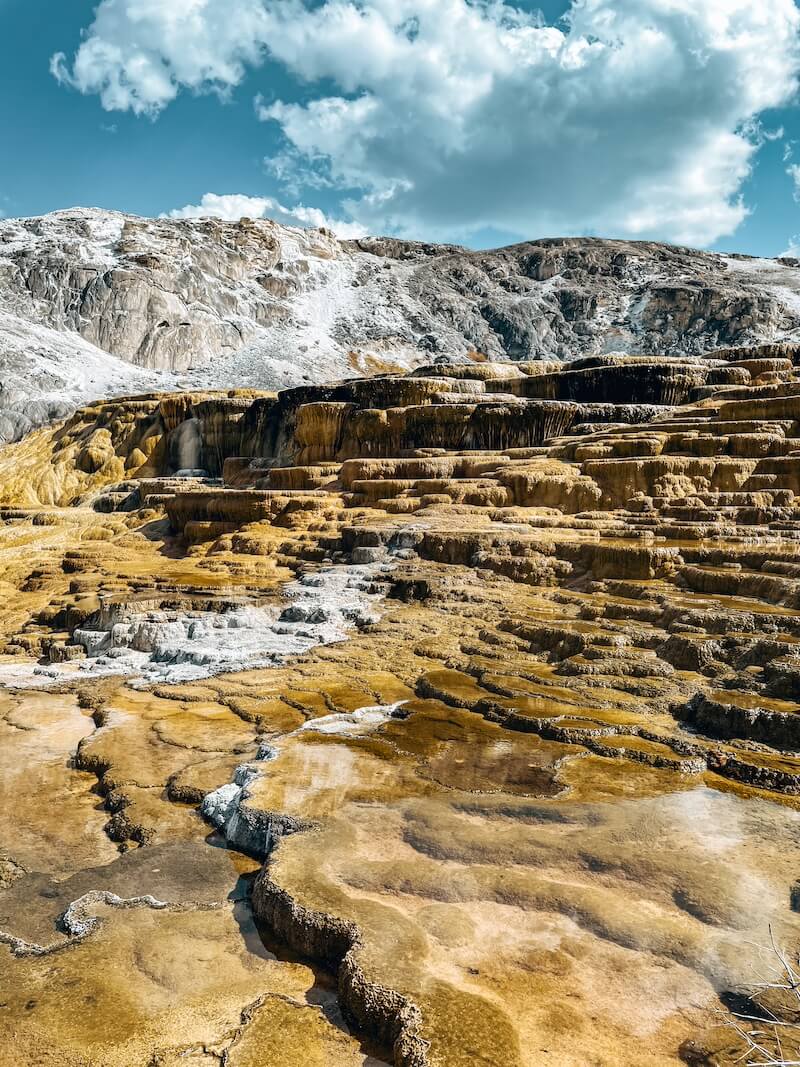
(186, 446)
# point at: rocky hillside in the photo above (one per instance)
(96, 303)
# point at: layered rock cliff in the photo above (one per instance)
(206, 303)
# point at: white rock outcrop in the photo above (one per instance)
(96, 303)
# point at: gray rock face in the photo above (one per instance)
(153, 293)
(576, 296)
(153, 303)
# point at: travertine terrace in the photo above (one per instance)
(504, 768)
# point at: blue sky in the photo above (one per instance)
(58, 148)
(588, 133)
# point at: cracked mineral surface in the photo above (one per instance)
(431, 720)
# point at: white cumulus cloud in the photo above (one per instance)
(235, 206)
(138, 54)
(632, 117)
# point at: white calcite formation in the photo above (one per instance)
(253, 831)
(223, 809)
(174, 646)
(360, 721)
(170, 647)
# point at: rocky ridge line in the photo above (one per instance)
(202, 303)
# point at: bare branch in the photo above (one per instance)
(772, 1037)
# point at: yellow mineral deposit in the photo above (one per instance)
(431, 720)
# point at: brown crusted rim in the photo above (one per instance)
(381, 1013)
